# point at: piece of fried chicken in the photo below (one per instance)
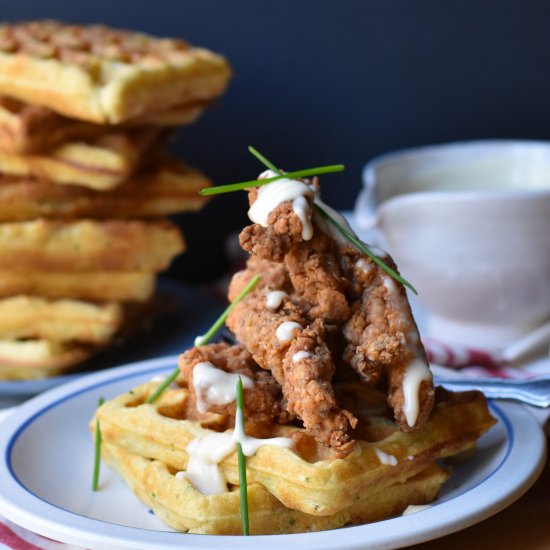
(281, 339)
(264, 403)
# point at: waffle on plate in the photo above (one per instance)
(291, 490)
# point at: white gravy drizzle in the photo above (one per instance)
(249, 444)
(206, 453)
(273, 194)
(274, 299)
(214, 386)
(303, 211)
(284, 330)
(364, 265)
(413, 508)
(385, 458)
(299, 355)
(416, 372)
(198, 341)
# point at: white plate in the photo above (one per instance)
(169, 334)
(46, 470)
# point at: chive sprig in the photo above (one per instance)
(258, 183)
(202, 340)
(97, 451)
(243, 485)
(360, 245)
(363, 248)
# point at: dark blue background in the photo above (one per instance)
(321, 82)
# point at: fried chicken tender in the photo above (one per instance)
(352, 299)
(383, 341)
(281, 340)
(263, 403)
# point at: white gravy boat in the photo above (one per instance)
(469, 225)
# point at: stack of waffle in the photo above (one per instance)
(305, 489)
(85, 185)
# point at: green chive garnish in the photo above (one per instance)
(243, 486)
(363, 248)
(263, 159)
(97, 454)
(202, 340)
(258, 183)
(349, 236)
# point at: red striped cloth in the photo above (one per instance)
(13, 537)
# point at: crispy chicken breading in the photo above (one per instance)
(281, 340)
(361, 312)
(263, 402)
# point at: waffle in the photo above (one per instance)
(88, 245)
(103, 75)
(65, 320)
(311, 479)
(26, 128)
(175, 501)
(165, 188)
(35, 359)
(122, 286)
(100, 164)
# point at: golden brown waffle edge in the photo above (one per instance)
(322, 487)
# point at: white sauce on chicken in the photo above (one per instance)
(270, 196)
(274, 299)
(417, 371)
(299, 355)
(364, 265)
(284, 330)
(214, 386)
(302, 209)
(385, 458)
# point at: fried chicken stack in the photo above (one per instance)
(86, 185)
(323, 312)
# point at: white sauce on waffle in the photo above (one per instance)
(299, 355)
(385, 458)
(416, 372)
(274, 299)
(206, 453)
(413, 508)
(250, 445)
(214, 386)
(284, 330)
(270, 196)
